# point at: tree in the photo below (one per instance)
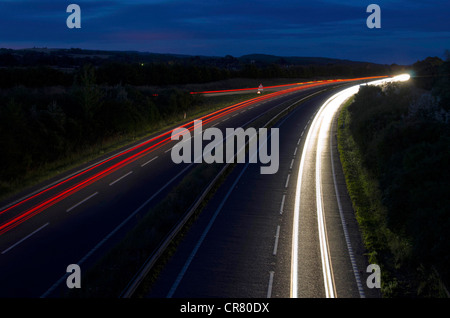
(89, 97)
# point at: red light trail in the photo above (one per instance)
(163, 138)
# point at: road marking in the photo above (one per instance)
(295, 229)
(168, 150)
(117, 180)
(81, 202)
(295, 151)
(269, 289)
(207, 228)
(299, 139)
(205, 232)
(275, 247)
(323, 238)
(225, 119)
(292, 162)
(148, 161)
(234, 115)
(344, 223)
(26, 237)
(296, 216)
(117, 228)
(282, 204)
(287, 181)
(320, 126)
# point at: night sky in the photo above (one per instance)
(410, 30)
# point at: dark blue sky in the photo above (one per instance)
(410, 30)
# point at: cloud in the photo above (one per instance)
(216, 27)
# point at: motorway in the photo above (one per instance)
(243, 246)
(76, 217)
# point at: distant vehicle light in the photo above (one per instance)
(402, 78)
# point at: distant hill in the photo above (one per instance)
(295, 60)
(75, 57)
(59, 67)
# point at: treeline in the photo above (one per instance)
(41, 126)
(170, 74)
(403, 135)
(162, 74)
(35, 68)
(34, 77)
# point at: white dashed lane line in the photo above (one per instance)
(275, 246)
(292, 162)
(144, 164)
(282, 204)
(117, 180)
(269, 289)
(287, 181)
(81, 202)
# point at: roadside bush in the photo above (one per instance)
(407, 152)
(42, 126)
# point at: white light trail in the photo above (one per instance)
(319, 130)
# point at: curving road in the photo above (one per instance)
(78, 216)
(290, 234)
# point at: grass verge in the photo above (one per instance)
(385, 248)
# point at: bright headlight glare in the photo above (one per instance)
(402, 78)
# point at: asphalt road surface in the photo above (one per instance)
(242, 244)
(76, 217)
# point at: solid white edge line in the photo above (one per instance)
(344, 223)
(294, 252)
(26, 237)
(295, 227)
(81, 202)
